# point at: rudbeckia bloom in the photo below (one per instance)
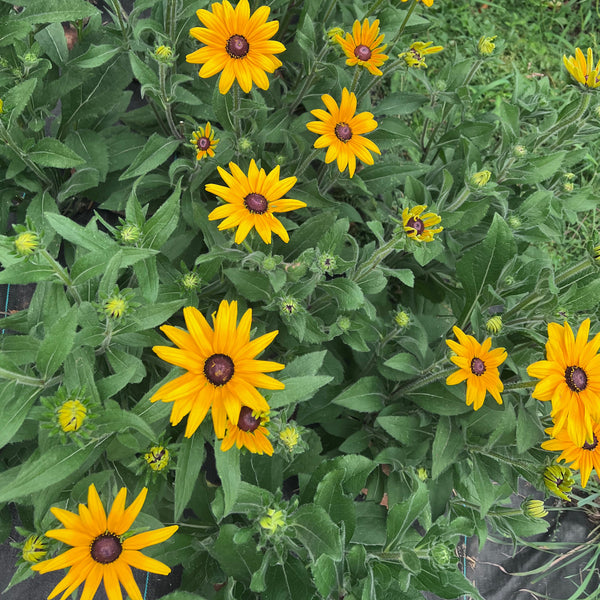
(583, 457)
(415, 55)
(341, 132)
(570, 378)
(362, 47)
(418, 224)
(222, 372)
(203, 142)
(425, 2)
(583, 70)
(251, 201)
(238, 44)
(478, 365)
(249, 432)
(99, 552)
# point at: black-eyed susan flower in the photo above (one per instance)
(249, 432)
(583, 457)
(251, 201)
(425, 2)
(415, 56)
(222, 372)
(342, 130)
(363, 46)
(99, 552)
(478, 365)
(570, 379)
(203, 141)
(558, 479)
(34, 549)
(238, 45)
(582, 70)
(420, 225)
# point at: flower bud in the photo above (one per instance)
(568, 186)
(344, 323)
(327, 262)
(514, 222)
(129, 233)
(402, 319)
(116, 306)
(486, 45)
(71, 415)
(519, 150)
(480, 178)
(164, 54)
(190, 281)
(441, 555)
(34, 548)
(157, 458)
(290, 437)
(26, 243)
(245, 144)
(288, 306)
(534, 509)
(422, 474)
(269, 263)
(558, 479)
(273, 520)
(494, 324)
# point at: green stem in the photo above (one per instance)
(119, 11)
(373, 8)
(22, 379)
(500, 457)
(380, 254)
(162, 78)
(171, 19)
(236, 112)
(355, 79)
(329, 11)
(460, 200)
(423, 380)
(306, 162)
(520, 385)
(583, 106)
(62, 274)
(403, 24)
(309, 79)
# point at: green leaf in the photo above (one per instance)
(348, 294)
(370, 524)
(290, 580)
(541, 168)
(150, 316)
(180, 595)
(309, 233)
(366, 395)
(15, 402)
(95, 56)
(405, 429)
(57, 344)
(164, 221)
(316, 531)
(155, 152)
(401, 516)
(529, 430)
(307, 364)
(26, 272)
(50, 152)
(17, 97)
(447, 445)
(189, 463)
(340, 507)
(482, 481)
(400, 103)
(403, 362)
(441, 399)
(445, 583)
(482, 264)
(240, 560)
(54, 43)
(298, 389)
(324, 575)
(55, 11)
(253, 286)
(228, 469)
(116, 419)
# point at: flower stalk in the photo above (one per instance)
(164, 98)
(62, 274)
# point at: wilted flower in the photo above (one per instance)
(481, 178)
(34, 548)
(486, 44)
(534, 509)
(558, 479)
(415, 55)
(494, 324)
(273, 520)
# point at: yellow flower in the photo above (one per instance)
(71, 415)
(419, 225)
(99, 552)
(341, 132)
(203, 141)
(534, 509)
(222, 372)
(116, 306)
(237, 44)
(425, 2)
(27, 243)
(163, 54)
(481, 178)
(34, 548)
(486, 44)
(570, 378)
(558, 479)
(1, 106)
(478, 365)
(402, 318)
(157, 458)
(250, 432)
(289, 436)
(251, 201)
(584, 457)
(583, 70)
(273, 520)
(415, 55)
(363, 46)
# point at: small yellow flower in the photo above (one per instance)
(418, 224)
(289, 436)
(1, 106)
(486, 44)
(273, 520)
(422, 474)
(362, 47)
(481, 178)
(334, 33)
(163, 53)
(534, 509)
(494, 324)
(583, 70)
(425, 2)
(71, 415)
(158, 458)
(558, 479)
(27, 243)
(203, 142)
(415, 55)
(116, 306)
(34, 548)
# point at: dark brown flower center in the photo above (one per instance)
(218, 369)
(477, 367)
(203, 143)
(106, 548)
(343, 132)
(247, 422)
(417, 225)
(576, 378)
(592, 446)
(237, 46)
(256, 203)
(362, 52)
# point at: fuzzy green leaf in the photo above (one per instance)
(447, 445)
(57, 344)
(366, 395)
(50, 152)
(348, 294)
(156, 151)
(95, 56)
(228, 469)
(253, 286)
(316, 531)
(189, 462)
(401, 516)
(298, 389)
(56, 11)
(54, 43)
